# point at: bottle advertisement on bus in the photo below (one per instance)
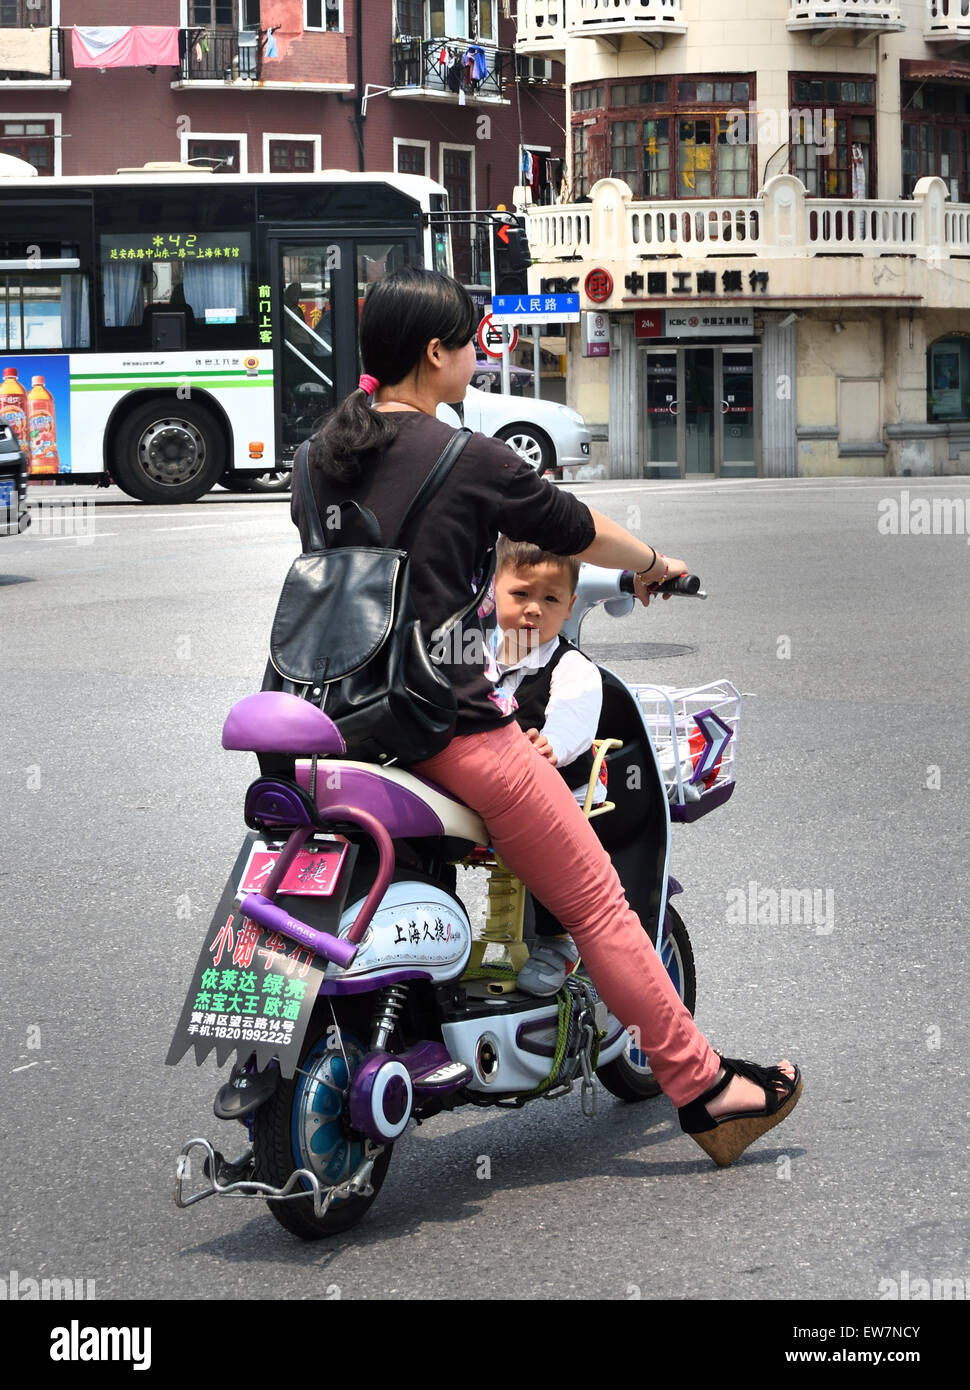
(35, 403)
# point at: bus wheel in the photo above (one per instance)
(168, 451)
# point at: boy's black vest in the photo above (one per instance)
(532, 697)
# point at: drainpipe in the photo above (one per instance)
(359, 113)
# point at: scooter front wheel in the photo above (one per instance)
(630, 1077)
(305, 1124)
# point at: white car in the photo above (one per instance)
(547, 435)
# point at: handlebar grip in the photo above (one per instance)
(685, 584)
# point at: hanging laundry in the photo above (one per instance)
(442, 57)
(475, 61)
(455, 77)
(527, 166)
(125, 46)
(26, 50)
(271, 50)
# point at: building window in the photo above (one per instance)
(948, 379)
(21, 14)
(683, 137)
(832, 135)
(323, 14)
(222, 156)
(588, 98)
(214, 14)
(29, 140)
(936, 137)
(412, 159)
(291, 156)
(580, 169)
(409, 19)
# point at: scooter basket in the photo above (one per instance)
(695, 732)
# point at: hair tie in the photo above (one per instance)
(368, 384)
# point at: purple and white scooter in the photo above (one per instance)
(341, 969)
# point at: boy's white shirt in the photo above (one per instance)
(575, 699)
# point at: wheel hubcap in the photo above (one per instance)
(171, 451)
(322, 1141)
(528, 447)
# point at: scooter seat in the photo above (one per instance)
(407, 805)
(273, 722)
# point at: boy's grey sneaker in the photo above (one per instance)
(544, 972)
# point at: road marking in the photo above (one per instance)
(203, 526)
(81, 540)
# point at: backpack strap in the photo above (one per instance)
(446, 462)
(315, 530)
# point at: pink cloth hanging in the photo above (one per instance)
(125, 46)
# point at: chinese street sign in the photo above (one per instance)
(535, 308)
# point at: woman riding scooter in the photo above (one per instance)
(416, 334)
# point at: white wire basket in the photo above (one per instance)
(695, 732)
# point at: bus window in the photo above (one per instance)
(307, 339)
(43, 310)
(206, 276)
(375, 260)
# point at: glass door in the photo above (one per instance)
(305, 367)
(699, 411)
(738, 416)
(663, 414)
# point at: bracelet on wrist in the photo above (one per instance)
(642, 574)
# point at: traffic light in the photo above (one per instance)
(512, 254)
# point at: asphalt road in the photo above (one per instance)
(122, 650)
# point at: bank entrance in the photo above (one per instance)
(703, 412)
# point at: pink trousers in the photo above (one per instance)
(542, 835)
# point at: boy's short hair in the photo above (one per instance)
(520, 555)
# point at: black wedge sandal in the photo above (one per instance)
(725, 1137)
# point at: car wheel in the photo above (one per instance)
(531, 443)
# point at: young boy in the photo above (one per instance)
(559, 694)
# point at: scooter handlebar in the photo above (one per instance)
(685, 585)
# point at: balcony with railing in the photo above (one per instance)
(783, 223)
(450, 70)
(827, 18)
(947, 23)
(210, 56)
(654, 21)
(32, 57)
(541, 28)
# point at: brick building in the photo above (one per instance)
(419, 86)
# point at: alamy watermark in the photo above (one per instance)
(906, 515)
(73, 519)
(808, 125)
(18, 1288)
(758, 905)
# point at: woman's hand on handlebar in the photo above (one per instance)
(541, 745)
(646, 591)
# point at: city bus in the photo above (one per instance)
(170, 328)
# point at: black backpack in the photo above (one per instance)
(347, 637)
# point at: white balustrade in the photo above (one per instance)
(824, 13)
(947, 19)
(541, 26)
(782, 223)
(625, 14)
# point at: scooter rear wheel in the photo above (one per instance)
(630, 1077)
(305, 1125)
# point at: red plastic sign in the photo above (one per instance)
(490, 337)
(599, 286)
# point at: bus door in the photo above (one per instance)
(318, 284)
